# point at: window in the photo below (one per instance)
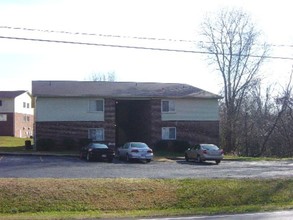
(169, 133)
(24, 104)
(96, 134)
(96, 105)
(26, 118)
(27, 105)
(0, 102)
(168, 106)
(3, 117)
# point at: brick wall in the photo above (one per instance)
(77, 130)
(191, 131)
(17, 125)
(23, 125)
(7, 127)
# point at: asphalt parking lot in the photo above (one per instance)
(17, 166)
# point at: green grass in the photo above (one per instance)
(101, 198)
(12, 144)
(108, 198)
(7, 141)
(241, 158)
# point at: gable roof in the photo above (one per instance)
(11, 94)
(117, 89)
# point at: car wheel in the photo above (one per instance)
(80, 155)
(148, 160)
(198, 159)
(186, 157)
(110, 160)
(127, 158)
(218, 161)
(88, 158)
(119, 156)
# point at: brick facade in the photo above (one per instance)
(78, 130)
(7, 127)
(24, 124)
(17, 125)
(191, 131)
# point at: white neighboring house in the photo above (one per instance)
(117, 112)
(16, 114)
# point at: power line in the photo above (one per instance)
(95, 34)
(133, 47)
(117, 36)
(102, 45)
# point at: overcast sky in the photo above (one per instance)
(170, 24)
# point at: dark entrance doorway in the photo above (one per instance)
(132, 121)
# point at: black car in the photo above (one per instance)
(98, 152)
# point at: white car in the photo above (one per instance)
(135, 150)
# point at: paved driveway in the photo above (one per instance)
(73, 167)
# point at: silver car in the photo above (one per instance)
(203, 152)
(135, 150)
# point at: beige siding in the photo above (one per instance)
(193, 110)
(7, 105)
(12, 105)
(19, 106)
(65, 109)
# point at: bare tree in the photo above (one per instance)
(231, 42)
(265, 125)
(110, 76)
(281, 124)
(255, 120)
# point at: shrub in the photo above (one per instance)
(172, 145)
(83, 142)
(45, 144)
(69, 144)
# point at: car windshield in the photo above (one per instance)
(139, 145)
(99, 146)
(209, 147)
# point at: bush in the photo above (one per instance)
(178, 146)
(83, 142)
(45, 144)
(69, 144)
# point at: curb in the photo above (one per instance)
(37, 154)
(159, 159)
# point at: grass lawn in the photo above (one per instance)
(110, 198)
(12, 144)
(107, 198)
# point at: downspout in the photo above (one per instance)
(13, 118)
(35, 124)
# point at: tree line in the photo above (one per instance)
(254, 121)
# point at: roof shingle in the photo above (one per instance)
(117, 89)
(11, 94)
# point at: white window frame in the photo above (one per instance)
(170, 106)
(3, 117)
(26, 118)
(93, 106)
(92, 134)
(166, 133)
